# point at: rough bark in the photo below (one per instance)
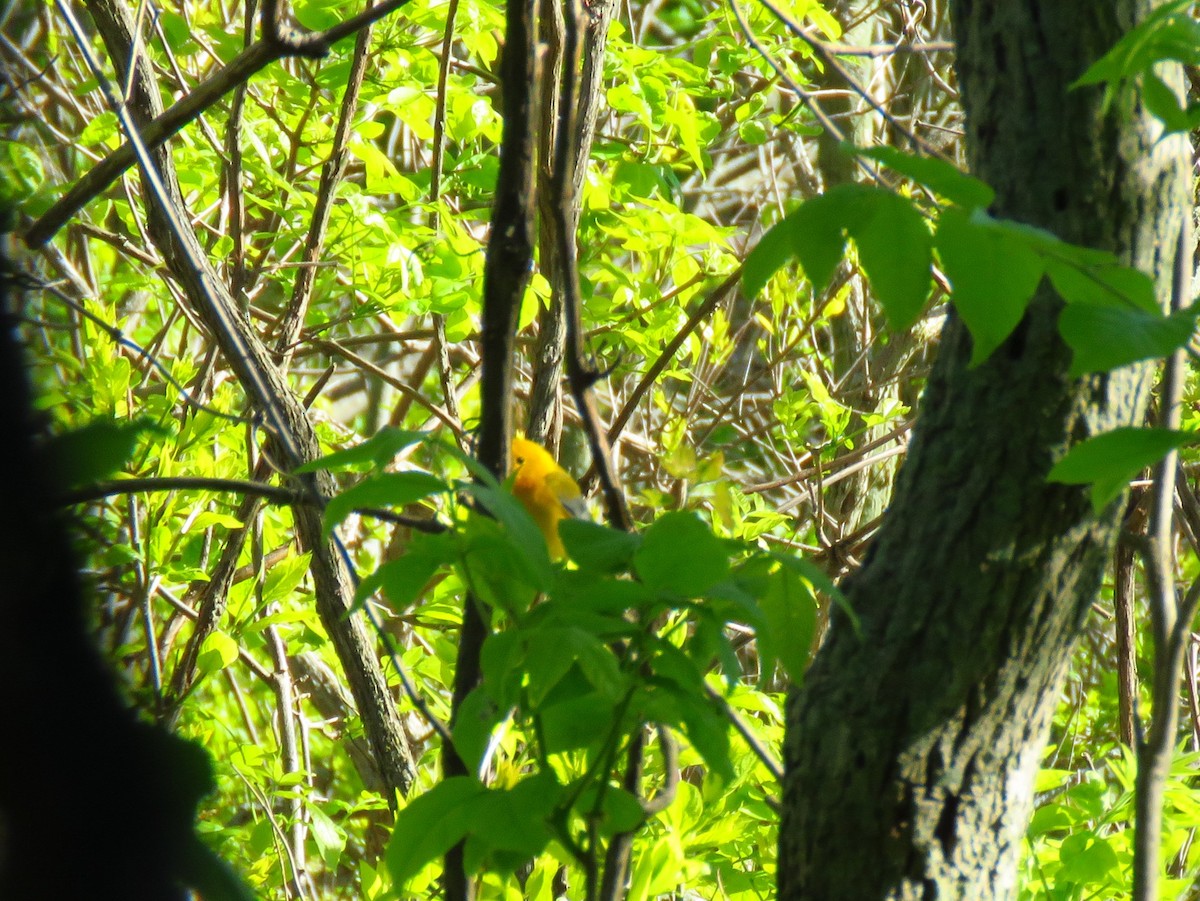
(912, 746)
(506, 272)
(293, 443)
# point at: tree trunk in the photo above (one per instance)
(911, 748)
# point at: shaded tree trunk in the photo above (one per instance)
(911, 748)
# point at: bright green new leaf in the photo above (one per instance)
(329, 837)
(1107, 462)
(1104, 338)
(432, 824)
(1088, 858)
(656, 871)
(943, 178)
(217, 652)
(992, 274)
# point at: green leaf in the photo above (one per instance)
(680, 554)
(896, 252)
(1088, 859)
(523, 532)
(1083, 276)
(376, 451)
(819, 580)
(472, 465)
(329, 837)
(578, 722)
(582, 590)
(596, 547)
(642, 179)
(389, 489)
(432, 824)
(657, 870)
(774, 250)
(551, 654)
(503, 572)
(992, 274)
(598, 665)
(791, 620)
(943, 178)
(502, 662)
(894, 247)
(1109, 461)
(619, 810)
(474, 722)
(217, 652)
(1163, 103)
(817, 232)
(1105, 338)
(403, 579)
(516, 819)
(707, 729)
(1169, 32)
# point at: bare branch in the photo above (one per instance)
(239, 70)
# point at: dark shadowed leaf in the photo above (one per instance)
(431, 824)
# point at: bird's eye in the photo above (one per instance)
(520, 461)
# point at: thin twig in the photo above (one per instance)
(272, 493)
(1170, 619)
(670, 752)
(830, 59)
(292, 319)
(445, 372)
(508, 265)
(773, 766)
(242, 67)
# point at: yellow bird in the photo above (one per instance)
(546, 489)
